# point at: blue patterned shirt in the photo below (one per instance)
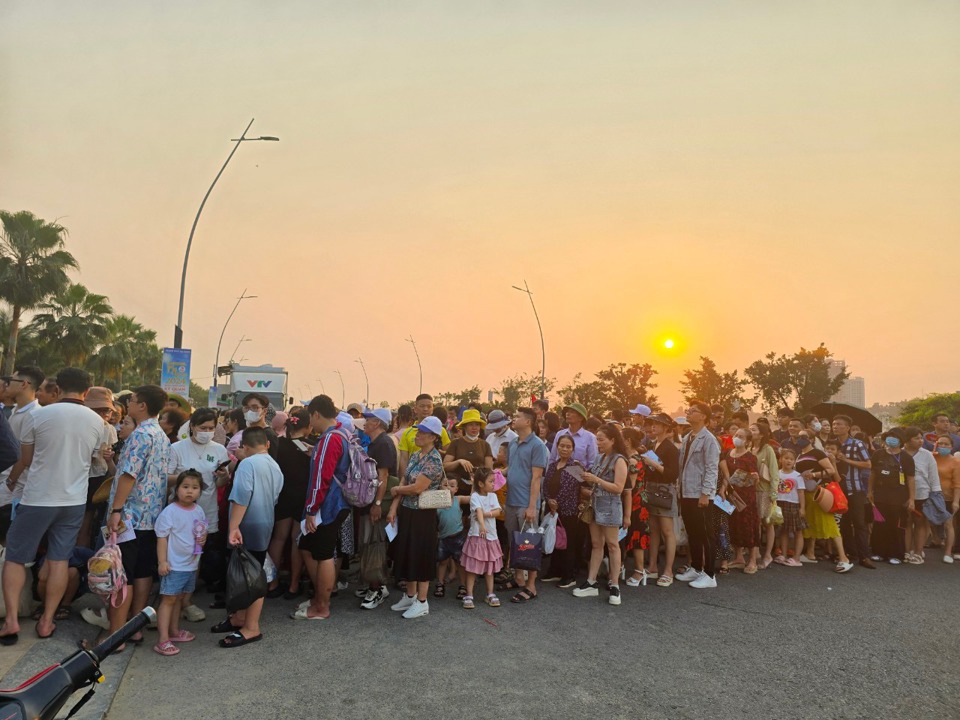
(854, 479)
(145, 456)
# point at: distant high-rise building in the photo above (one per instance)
(852, 392)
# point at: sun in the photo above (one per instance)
(668, 343)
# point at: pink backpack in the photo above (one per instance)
(105, 574)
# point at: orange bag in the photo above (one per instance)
(840, 503)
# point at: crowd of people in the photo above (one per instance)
(635, 497)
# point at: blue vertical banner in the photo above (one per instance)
(175, 371)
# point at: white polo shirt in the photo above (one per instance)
(21, 421)
(64, 437)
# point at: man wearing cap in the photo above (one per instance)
(639, 415)
(24, 384)
(699, 467)
(498, 431)
(422, 408)
(584, 441)
(371, 519)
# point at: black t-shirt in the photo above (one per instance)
(890, 477)
(810, 459)
(384, 452)
(670, 459)
(274, 442)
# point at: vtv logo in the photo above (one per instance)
(259, 383)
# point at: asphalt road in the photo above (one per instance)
(785, 643)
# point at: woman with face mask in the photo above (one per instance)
(199, 452)
(891, 489)
(739, 475)
(948, 466)
(814, 426)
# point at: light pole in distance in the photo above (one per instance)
(216, 362)
(366, 380)
(178, 330)
(413, 342)
(343, 392)
(543, 351)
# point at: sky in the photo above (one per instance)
(741, 177)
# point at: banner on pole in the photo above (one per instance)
(175, 371)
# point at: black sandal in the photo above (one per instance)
(440, 590)
(236, 639)
(524, 596)
(224, 626)
(461, 592)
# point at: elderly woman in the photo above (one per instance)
(416, 542)
(607, 478)
(562, 490)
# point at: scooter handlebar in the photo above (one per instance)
(133, 626)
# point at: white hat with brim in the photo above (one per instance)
(381, 414)
(431, 425)
(681, 421)
(641, 409)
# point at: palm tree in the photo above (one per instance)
(76, 320)
(127, 346)
(33, 266)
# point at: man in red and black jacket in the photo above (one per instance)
(325, 508)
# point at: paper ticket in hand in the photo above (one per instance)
(391, 531)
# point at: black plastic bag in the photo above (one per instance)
(246, 580)
(373, 557)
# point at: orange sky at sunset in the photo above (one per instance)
(739, 177)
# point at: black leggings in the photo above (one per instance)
(700, 538)
(563, 563)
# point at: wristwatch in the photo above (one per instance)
(116, 511)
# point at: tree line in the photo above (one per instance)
(50, 321)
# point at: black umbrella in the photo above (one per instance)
(866, 420)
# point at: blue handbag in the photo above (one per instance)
(935, 508)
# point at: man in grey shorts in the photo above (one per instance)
(56, 444)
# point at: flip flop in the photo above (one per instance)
(36, 629)
(183, 636)
(301, 614)
(236, 639)
(224, 626)
(8, 640)
(167, 649)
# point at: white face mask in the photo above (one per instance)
(817, 427)
(738, 442)
(203, 437)
(472, 438)
(252, 416)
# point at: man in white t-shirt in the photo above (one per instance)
(24, 383)
(57, 450)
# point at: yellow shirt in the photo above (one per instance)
(407, 444)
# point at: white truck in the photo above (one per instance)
(264, 379)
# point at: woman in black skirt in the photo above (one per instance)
(416, 543)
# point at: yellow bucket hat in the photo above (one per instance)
(472, 416)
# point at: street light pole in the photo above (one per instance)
(216, 362)
(178, 330)
(412, 342)
(243, 339)
(543, 351)
(366, 379)
(343, 392)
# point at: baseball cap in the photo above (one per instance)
(431, 425)
(641, 409)
(381, 414)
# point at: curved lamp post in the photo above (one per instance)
(216, 362)
(178, 330)
(543, 351)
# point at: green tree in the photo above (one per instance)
(516, 391)
(33, 267)
(708, 384)
(797, 381)
(124, 336)
(920, 411)
(591, 395)
(199, 396)
(76, 320)
(626, 386)
(462, 398)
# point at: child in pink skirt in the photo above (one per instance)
(481, 553)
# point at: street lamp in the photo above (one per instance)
(366, 379)
(216, 363)
(413, 342)
(243, 339)
(178, 330)
(343, 392)
(543, 351)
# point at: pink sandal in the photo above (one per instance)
(167, 648)
(183, 636)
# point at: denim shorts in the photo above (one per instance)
(178, 582)
(60, 524)
(450, 547)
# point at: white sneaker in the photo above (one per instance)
(704, 581)
(191, 613)
(688, 575)
(895, 561)
(375, 598)
(94, 618)
(948, 559)
(614, 595)
(417, 609)
(405, 602)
